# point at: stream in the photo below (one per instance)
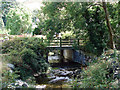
(60, 75)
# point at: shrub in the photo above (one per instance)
(118, 43)
(19, 21)
(33, 64)
(27, 54)
(101, 74)
(92, 48)
(7, 75)
(8, 78)
(96, 75)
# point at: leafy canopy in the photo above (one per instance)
(19, 21)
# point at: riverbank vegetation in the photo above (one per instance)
(27, 55)
(97, 24)
(101, 73)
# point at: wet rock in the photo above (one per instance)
(18, 84)
(116, 84)
(69, 80)
(21, 83)
(61, 69)
(78, 71)
(53, 77)
(62, 72)
(25, 85)
(11, 71)
(41, 86)
(76, 74)
(116, 74)
(41, 79)
(11, 66)
(55, 71)
(58, 80)
(50, 74)
(65, 73)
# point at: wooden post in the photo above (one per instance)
(60, 42)
(61, 56)
(70, 40)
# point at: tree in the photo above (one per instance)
(5, 7)
(97, 31)
(86, 20)
(112, 46)
(119, 13)
(19, 21)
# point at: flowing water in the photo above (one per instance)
(68, 66)
(59, 67)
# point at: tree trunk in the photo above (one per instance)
(112, 46)
(119, 28)
(119, 14)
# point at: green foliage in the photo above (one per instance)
(67, 35)
(97, 31)
(1, 23)
(36, 31)
(8, 78)
(85, 20)
(96, 75)
(27, 54)
(118, 43)
(56, 19)
(7, 75)
(114, 18)
(6, 5)
(99, 74)
(89, 47)
(19, 21)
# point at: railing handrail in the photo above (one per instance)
(61, 42)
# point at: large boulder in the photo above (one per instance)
(18, 84)
(63, 73)
(11, 66)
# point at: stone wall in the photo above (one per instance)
(68, 55)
